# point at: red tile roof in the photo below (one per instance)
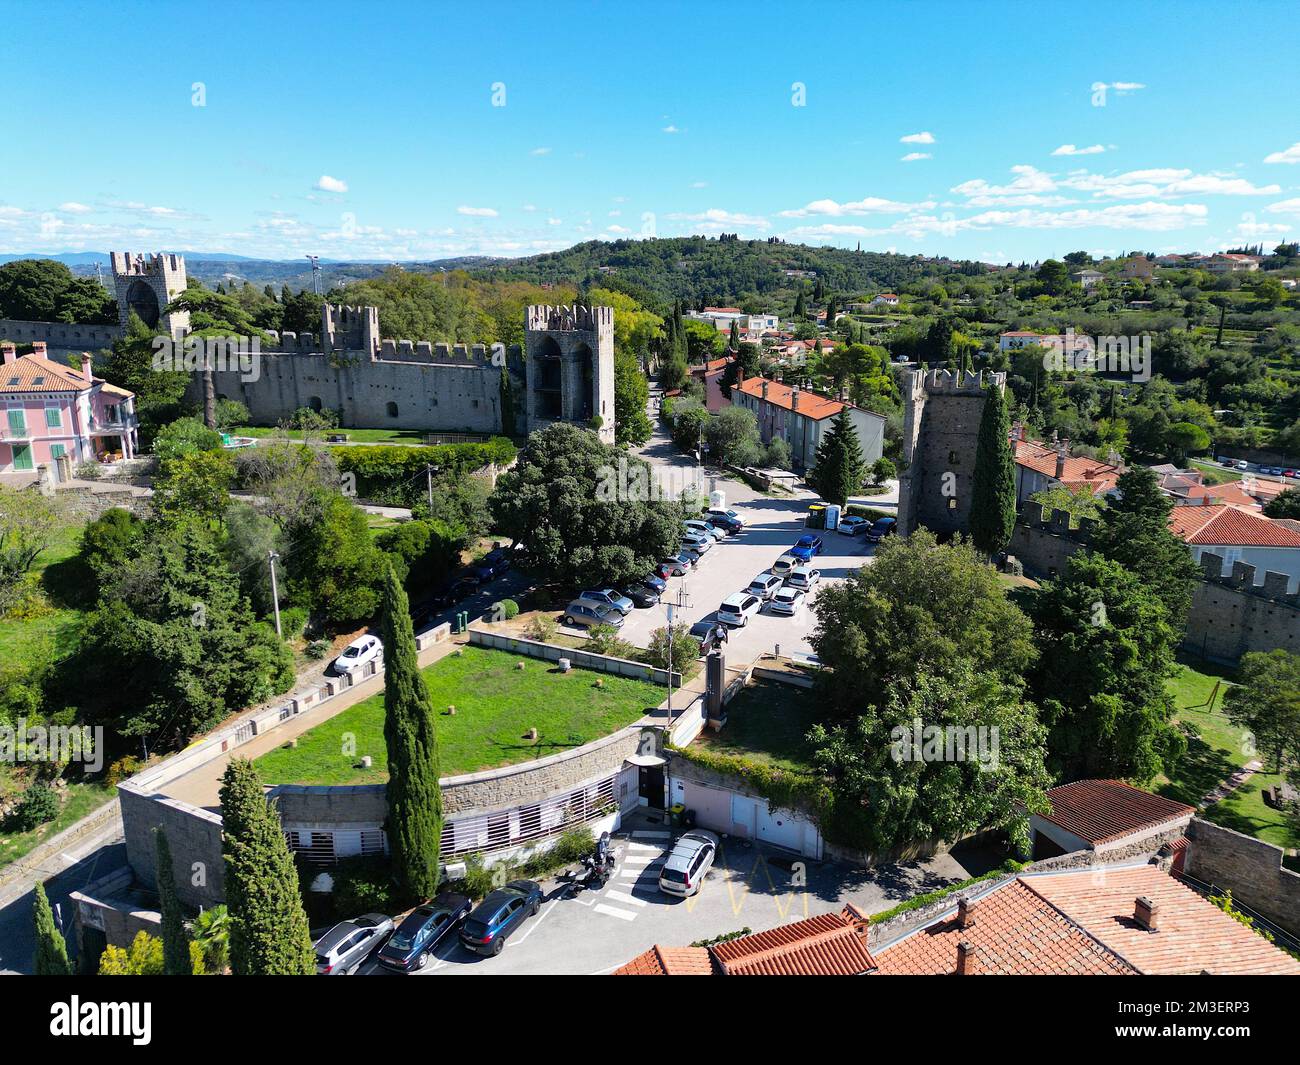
(1103, 810)
(1093, 474)
(36, 373)
(811, 405)
(1015, 932)
(1219, 493)
(1192, 936)
(1215, 524)
(830, 944)
(669, 961)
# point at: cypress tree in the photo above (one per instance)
(507, 397)
(176, 943)
(735, 334)
(839, 467)
(993, 500)
(799, 310)
(414, 797)
(51, 951)
(268, 925)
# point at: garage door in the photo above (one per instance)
(780, 828)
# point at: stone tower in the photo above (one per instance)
(941, 424)
(570, 366)
(346, 328)
(146, 284)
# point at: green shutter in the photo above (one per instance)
(53, 418)
(22, 456)
(17, 422)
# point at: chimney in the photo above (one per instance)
(38, 348)
(1018, 431)
(794, 398)
(86, 361)
(1062, 450)
(10, 352)
(965, 912)
(764, 389)
(965, 958)
(1146, 912)
(740, 376)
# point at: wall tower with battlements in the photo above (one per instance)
(570, 363)
(941, 422)
(145, 284)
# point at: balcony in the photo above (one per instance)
(9, 432)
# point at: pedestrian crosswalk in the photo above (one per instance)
(640, 860)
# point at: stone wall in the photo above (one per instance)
(60, 338)
(194, 836)
(86, 504)
(1251, 868)
(580, 659)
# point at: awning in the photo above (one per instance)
(645, 760)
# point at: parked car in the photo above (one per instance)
(674, 566)
(583, 614)
(706, 632)
(737, 609)
(787, 600)
(703, 528)
(783, 565)
(491, 565)
(341, 950)
(697, 542)
(764, 585)
(852, 525)
(688, 863)
(357, 654)
(608, 597)
(655, 583)
(1242, 464)
(1290, 473)
(1274, 471)
(499, 916)
(419, 934)
(881, 528)
(804, 577)
(727, 520)
(641, 595)
(806, 547)
(1225, 462)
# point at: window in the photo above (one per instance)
(53, 418)
(392, 410)
(57, 451)
(17, 420)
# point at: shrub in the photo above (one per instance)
(572, 845)
(293, 620)
(363, 885)
(38, 805)
(509, 608)
(685, 648)
(870, 513)
(604, 640)
(121, 770)
(318, 649)
(542, 628)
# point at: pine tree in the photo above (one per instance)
(176, 943)
(268, 925)
(51, 951)
(414, 797)
(799, 309)
(735, 335)
(993, 500)
(839, 467)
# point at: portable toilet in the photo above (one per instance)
(816, 516)
(832, 516)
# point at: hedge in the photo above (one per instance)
(782, 788)
(387, 466)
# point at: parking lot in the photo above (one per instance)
(772, 525)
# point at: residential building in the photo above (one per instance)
(1103, 815)
(710, 374)
(1088, 279)
(887, 299)
(1233, 263)
(1139, 266)
(722, 317)
(801, 418)
(1042, 466)
(52, 410)
(1237, 534)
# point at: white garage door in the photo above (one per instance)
(780, 828)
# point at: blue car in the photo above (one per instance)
(882, 528)
(411, 946)
(493, 564)
(499, 916)
(807, 546)
(655, 583)
(608, 597)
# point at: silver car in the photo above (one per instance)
(341, 950)
(688, 863)
(583, 613)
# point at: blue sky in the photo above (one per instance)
(370, 131)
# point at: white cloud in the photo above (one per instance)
(1029, 188)
(1070, 149)
(1286, 155)
(72, 207)
(671, 129)
(331, 184)
(715, 219)
(912, 157)
(477, 212)
(1165, 181)
(555, 221)
(699, 184)
(530, 207)
(1291, 206)
(867, 205)
(1121, 87)
(540, 151)
(917, 138)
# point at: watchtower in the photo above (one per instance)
(941, 425)
(145, 284)
(570, 366)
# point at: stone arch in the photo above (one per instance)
(315, 404)
(584, 365)
(142, 299)
(392, 409)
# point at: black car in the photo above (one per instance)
(709, 633)
(642, 595)
(499, 916)
(491, 565)
(411, 946)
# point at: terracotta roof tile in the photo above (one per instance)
(1103, 810)
(826, 945)
(1078, 473)
(810, 404)
(36, 373)
(669, 961)
(1222, 524)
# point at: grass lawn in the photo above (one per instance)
(496, 704)
(80, 800)
(31, 641)
(360, 436)
(767, 722)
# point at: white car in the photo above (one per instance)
(783, 565)
(788, 600)
(703, 528)
(803, 577)
(764, 586)
(739, 608)
(357, 654)
(697, 543)
(688, 863)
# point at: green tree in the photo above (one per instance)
(1105, 648)
(144, 958)
(1183, 439)
(732, 436)
(993, 495)
(28, 524)
(1285, 504)
(838, 469)
(176, 944)
(268, 925)
(1267, 702)
(414, 797)
(337, 568)
(212, 935)
(506, 395)
(51, 950)
(631, 392)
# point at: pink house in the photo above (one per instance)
(50, 409)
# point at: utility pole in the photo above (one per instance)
(315, 273)
(428, 477)
(683, 601)
(275, 593)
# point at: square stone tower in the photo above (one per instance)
(146, 284)
(941, 425)
(570, 367)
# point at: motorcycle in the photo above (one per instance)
(598, 866)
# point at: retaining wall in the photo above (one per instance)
(1251, 868)
(581, 659)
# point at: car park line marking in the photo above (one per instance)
(623, 896)
(642, 859)
(624, 915)
(517, 940)
(650, 835)
(644, 848)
